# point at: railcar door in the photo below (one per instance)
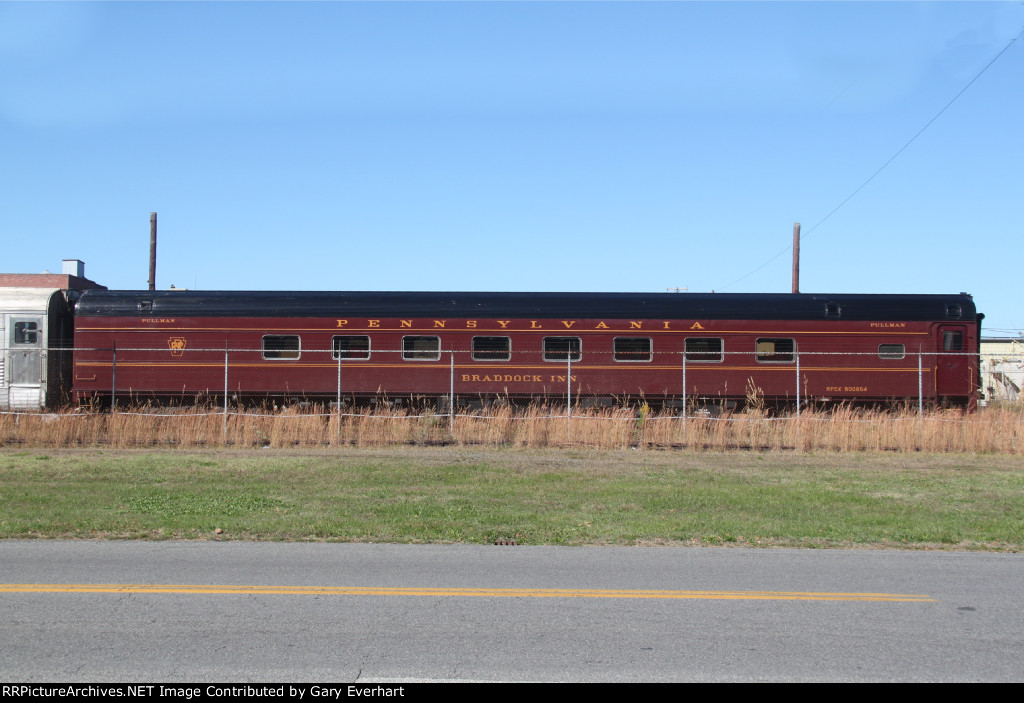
(25, 358)
(953, 382)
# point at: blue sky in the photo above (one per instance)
(610, 146)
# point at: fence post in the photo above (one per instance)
(920, 388)
(113, 379)
(451, 398)
(684, 393)
(797, 354)
(337, 405)
(568, 395)
(225, 393)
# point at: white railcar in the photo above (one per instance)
(35, 329)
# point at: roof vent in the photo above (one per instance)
(73, 267)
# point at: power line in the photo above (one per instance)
(883, 166)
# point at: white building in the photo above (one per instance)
(1002, 369)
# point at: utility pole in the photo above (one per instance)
(796, 257)
(152, 251)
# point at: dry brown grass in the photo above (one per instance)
(991, 430)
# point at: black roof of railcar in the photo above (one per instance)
(722, 306)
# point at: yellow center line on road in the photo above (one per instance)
(456, 592)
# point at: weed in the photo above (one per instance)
(996, 430)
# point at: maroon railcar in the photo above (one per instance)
(705, 349)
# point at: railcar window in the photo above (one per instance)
(26, 333)
(704, 349)
(282, 346)
(633, 349)
(891, 351)
(492, 348)
(354, 347)
(776, 350)
(562, 349)
(952, 341)
(421, 348)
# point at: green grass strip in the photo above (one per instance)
(564, 497)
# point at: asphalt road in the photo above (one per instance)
(242, 611)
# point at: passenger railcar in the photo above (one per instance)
(712, 349)
(35, 341)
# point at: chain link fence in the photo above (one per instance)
(422, 374)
